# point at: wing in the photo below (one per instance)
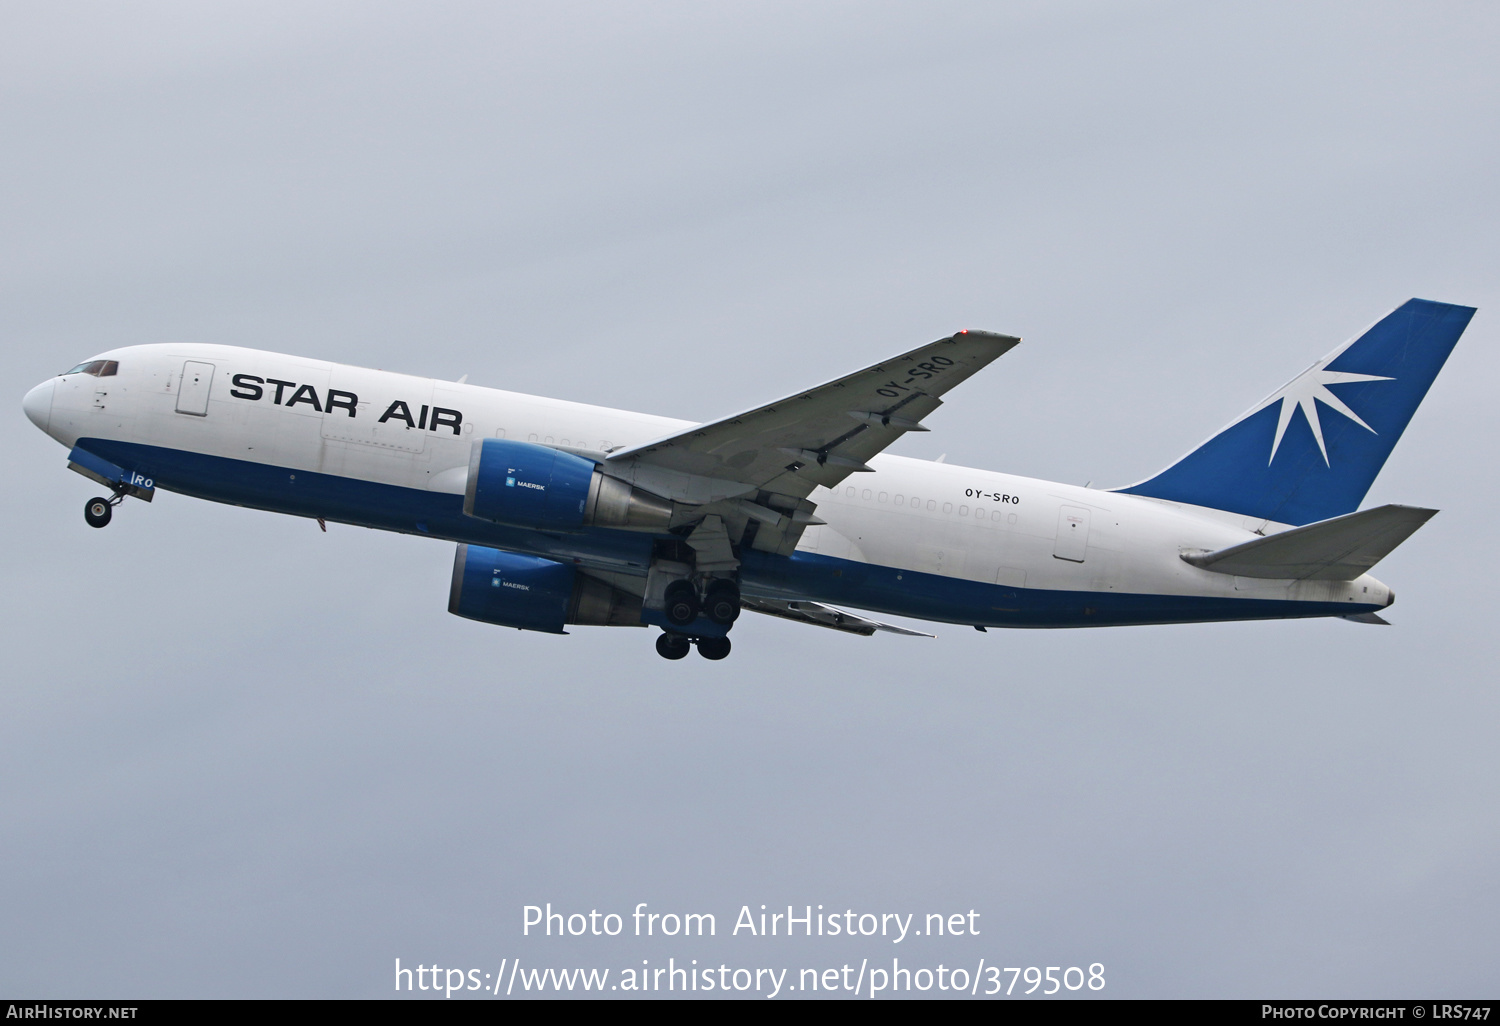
(819, 615)
(823, 435)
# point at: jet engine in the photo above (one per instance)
(529, 485)
(534, 594)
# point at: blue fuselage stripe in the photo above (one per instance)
(805, 576)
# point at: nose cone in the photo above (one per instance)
(38, 404)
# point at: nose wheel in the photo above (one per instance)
(97, 511)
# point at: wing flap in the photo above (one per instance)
(1339, 549)
(820, 615)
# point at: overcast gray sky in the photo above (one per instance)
(239, 757)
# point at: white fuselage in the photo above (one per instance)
(1019, 535)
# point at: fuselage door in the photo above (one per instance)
(1072, 534)
(192, 390)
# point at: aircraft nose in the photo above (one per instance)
(38, 404)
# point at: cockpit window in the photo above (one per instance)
(98, 368)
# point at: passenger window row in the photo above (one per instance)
(916, 504)
(604, 445)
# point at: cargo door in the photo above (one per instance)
(192, 390)
(1072, 534)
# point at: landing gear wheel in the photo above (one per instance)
(97, 512)
(723, 602)
(681, 602)
(713, 648)
(672, 646)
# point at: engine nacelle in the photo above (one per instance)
(534, 594)
(536, 486)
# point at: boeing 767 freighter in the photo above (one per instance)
(572, 514)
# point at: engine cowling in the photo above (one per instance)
(534, 594)
(529, 485)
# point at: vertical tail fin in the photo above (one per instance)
(1311, 449)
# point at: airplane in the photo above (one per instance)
(568, 514)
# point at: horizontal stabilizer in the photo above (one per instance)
(1340, 549)
(819, 615)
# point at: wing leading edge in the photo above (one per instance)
(822, 435)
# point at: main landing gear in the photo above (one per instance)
(675, 646)
(713, 648)
(683, 608)
(97, 511)
(681, 600)
(721, 602)
(672, 646)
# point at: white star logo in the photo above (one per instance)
(1308, 389)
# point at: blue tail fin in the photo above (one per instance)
(1312, 449)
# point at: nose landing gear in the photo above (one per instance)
(97, 511)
